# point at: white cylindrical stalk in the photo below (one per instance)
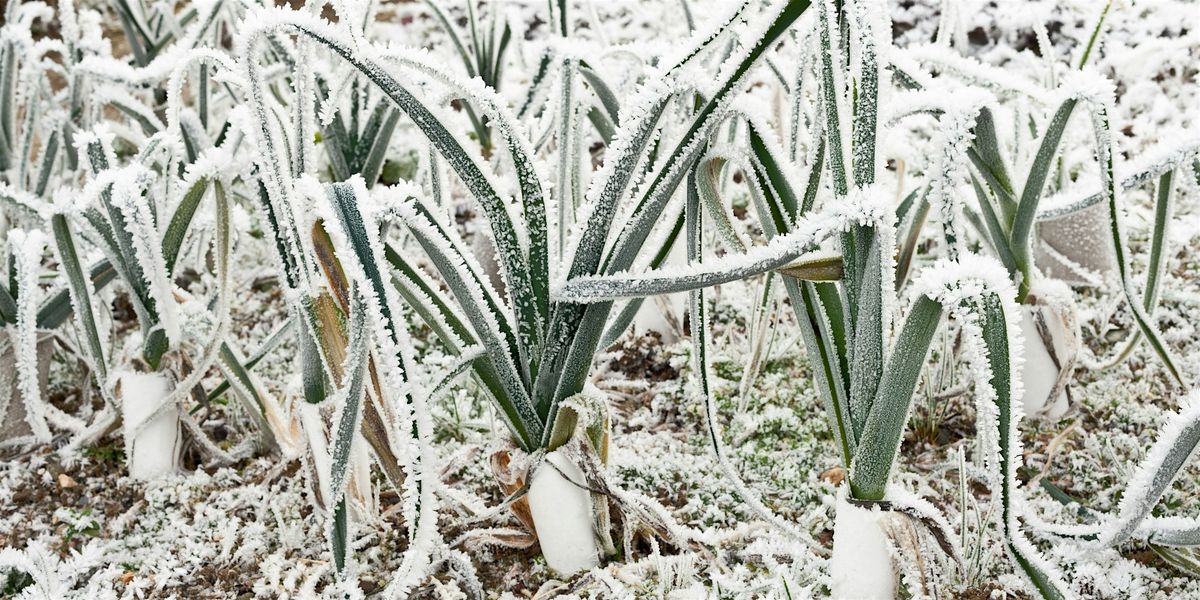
(664, 314)
(562, 513)
(314, 430)
(14, 424)
(1040, 374)
(1076, 248)
(154, 452)
(861, 567)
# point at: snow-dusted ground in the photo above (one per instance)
(250, 530)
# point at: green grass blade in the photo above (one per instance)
(862, 143)
(765, 155)
(535, 85)
(346, 207)
(429, 302)
(1094, 37)
(8, 56)
(829, 97)
(236, 371)
(986, 155)
(48, 155)
(488, 323)
(452, 31)
(335, 139)
(8, 306)
(312, 369)
(820, 326)
(1163, 209)
(1172, 450)
(373, 162)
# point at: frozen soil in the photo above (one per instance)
(250, 529)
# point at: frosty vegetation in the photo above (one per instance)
(677, 299)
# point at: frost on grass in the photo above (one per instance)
(168, 105)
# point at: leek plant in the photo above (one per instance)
(1008, 211)
(529, 354)
(482, 53)
(137, 170)
(867, 382)
(119, 216)
(867, 348)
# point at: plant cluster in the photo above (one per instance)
(420, 202)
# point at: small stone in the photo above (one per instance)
(834, 476)
(65, 482)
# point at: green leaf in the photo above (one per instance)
(829, 96)
(608, 100)
(339, 534)
(117, 232)
(374, 159)
(490, 325)
(866, 107)
(349, 417)
(536, 83)
(821, 327)
(707, 185)
(867, 334)
(48, 156)
(994, 229)
(994, 328)
(1095, 36)
(56, 309)
(452, 31)
(1104, 152)
(775, 176)
(241, 370)
(914, 221)
(234, 370)
(81, 295)
(644, 216)
(181, 221)
(8, 306)
(1031, 195)
(880, 440)
(428, 302)
(986, 155)
(525, 292)
(1163, 208)
(821, 268)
